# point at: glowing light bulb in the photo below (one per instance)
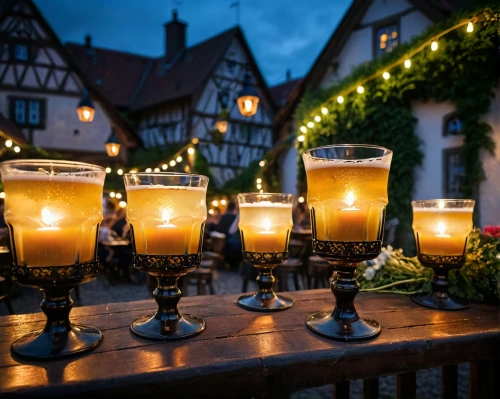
(223, 202)
(258, 181)
(86, 114)
(149, 170)
(120, 171)
(172, 163)
(215, 203)
(259, 186)
(360, 89)
(247, 104)
(324, 111)
(17, 149)
(262, 163)
(407, 63)
(303, 129)
(211, 211)
(157, 170)
(317, 118)
(340, 99)
(310, 125)
(301, 138)
(164, 166)
(8, 143)
(301, 200)
(118, 196)
(2, 195)
(122, 204)
(190, 151)
(178, 159)
(195, 140)
(386, 75)
(112, 194)
(470, 27)
(434, 45)
(108, 170)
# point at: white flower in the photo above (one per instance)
(369, 273)
(377, 265)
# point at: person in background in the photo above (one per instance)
(228, 225)
(301, 217)
(120, 225)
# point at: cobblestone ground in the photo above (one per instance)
(101, 291)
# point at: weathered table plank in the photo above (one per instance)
(248, 354)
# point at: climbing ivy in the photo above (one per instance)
(464, 70)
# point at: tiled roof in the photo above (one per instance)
(282, 91)
(11, 130)
(117, 74)
(164, 83)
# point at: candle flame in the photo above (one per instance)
(47, 217)
(267, 224)
(166, 215)
(247, 105)
(441, 228)
(349, 200)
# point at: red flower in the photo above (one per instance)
(493, 231)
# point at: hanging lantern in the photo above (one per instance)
(222, 121)
(248, 100)
(112, 145)
(85, 109)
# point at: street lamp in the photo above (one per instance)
(248, 100)
(222, 121)
(112, 145)
(85, 108)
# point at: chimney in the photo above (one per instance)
(288, 75)
(88, 41)
(175, 37)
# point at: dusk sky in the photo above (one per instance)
(282, 34)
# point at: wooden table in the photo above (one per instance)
(267, 355)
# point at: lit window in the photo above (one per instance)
(21, 52)
(387, 39)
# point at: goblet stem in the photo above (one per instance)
(439, 297)
(265, 299)
(167, 323)
(344, 322)
(60, 337)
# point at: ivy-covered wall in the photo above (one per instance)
(464, 70)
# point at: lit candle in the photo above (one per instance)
(265, 226)
(54, 217)
(352, 220)
(182, 211)
(440, 230)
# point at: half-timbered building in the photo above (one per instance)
(180, 95)
(41, 86)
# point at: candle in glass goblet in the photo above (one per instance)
(441, 230)
(348, 198)
(265, 226)
(167, 220)
(54, 217)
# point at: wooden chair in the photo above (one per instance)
(5, 295)
(319, 272)
(291, 266)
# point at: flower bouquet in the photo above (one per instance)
(478, 280)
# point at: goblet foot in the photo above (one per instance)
(439, 300)
(323, 323)
(151, 327)
(53, 345)
(265, 304)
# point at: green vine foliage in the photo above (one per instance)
(464, 70)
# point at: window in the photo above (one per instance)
(232, 156)
(387, 38)
(28, 112)
(452, 125)
(21, 52)
(453, 173)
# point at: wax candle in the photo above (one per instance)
(54, 217)
(265, 226)
(167, 220)
(442, 231)
(352, 221)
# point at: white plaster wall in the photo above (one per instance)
(413, 24)
(289, 172)
(383, 8)
(62, 121)
(357, 50)
(489, 193)
(429, 177)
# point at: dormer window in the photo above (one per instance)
(452, 125)
(21, 52)
(387, 38)
(28, 112)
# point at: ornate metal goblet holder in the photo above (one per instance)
(265, 299)
(344, 323)
(167, 323)
(439, 297)
(60, 337)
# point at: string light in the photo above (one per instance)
(8, 143)
(340, 99)
(303, 129)
(301, 138)
(122, 204)
(179, 159)
(120, 171)
(301, 200)
(360, 89)
(190, 150)
(324, 111)
(164, 166)
(262, 163)
(470, 27)
(112, 194)
(149, 170)
(407, 63)
(211, 211)
(17, 149)
(172, 163)
(108, 170)
(317, 118)
(258, 181)
(157, 170)
(223, 202)
(2, 195)
(118, 196)
(259, 186)
(310, 125)
(434, 45)
(133, 171)
(195, 140)
(215, 203)
(386, 75)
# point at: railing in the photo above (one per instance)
(244, 354)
